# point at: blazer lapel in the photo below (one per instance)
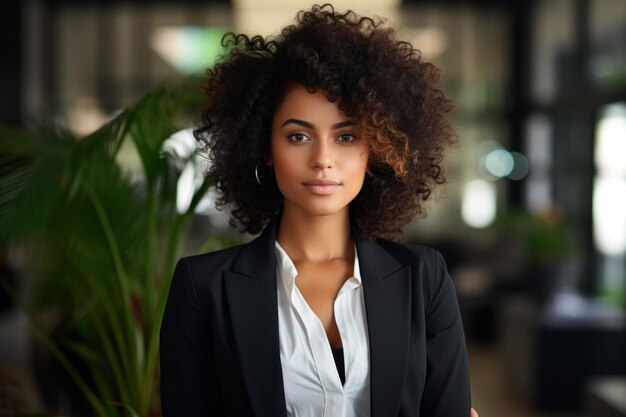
(252, 300)
(386, 289)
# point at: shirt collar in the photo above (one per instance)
(287, 271)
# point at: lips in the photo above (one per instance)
(322, 186)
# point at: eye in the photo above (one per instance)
(298, 137)
(346, 138)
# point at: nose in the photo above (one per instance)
(322, 155)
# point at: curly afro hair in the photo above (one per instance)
(379, 82)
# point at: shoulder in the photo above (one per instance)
(413, 255)
(203, 272)
(199, 277)
(219, 260)
(428, 267)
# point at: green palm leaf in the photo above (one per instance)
(106, 235)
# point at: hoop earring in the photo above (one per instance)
(256, 174)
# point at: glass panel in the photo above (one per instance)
(552, 44)
(607, 63)
(609, 201)
(471, 47)
(125, 50)
(538, 146)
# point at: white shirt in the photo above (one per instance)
(310, 378)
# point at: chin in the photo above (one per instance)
(317, 209)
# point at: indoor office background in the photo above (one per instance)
(532, 222)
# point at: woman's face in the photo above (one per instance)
(319, 158)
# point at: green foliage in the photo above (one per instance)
(103, 240)
(545, 238)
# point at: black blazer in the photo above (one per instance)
(219, 337)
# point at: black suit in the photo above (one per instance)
(219, 338)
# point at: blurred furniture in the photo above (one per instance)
(551, 352)
(606, 397)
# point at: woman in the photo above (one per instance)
(329, 138)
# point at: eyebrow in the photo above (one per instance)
(312, 126)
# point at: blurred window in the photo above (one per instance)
(471, 46)
(607, 61)
(538, 146)
(95, 58)
(609, 200)
(575, 132)
(552, 46)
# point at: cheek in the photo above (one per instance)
(357, 164)
(287, 167)
(285, 164)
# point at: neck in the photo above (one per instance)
(315, 238)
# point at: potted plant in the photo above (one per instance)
(102, 236)
(549, 248)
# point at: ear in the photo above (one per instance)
(269, 161)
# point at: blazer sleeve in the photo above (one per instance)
(188, 379)
(447, 388)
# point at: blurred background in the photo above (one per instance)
(532, 222)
